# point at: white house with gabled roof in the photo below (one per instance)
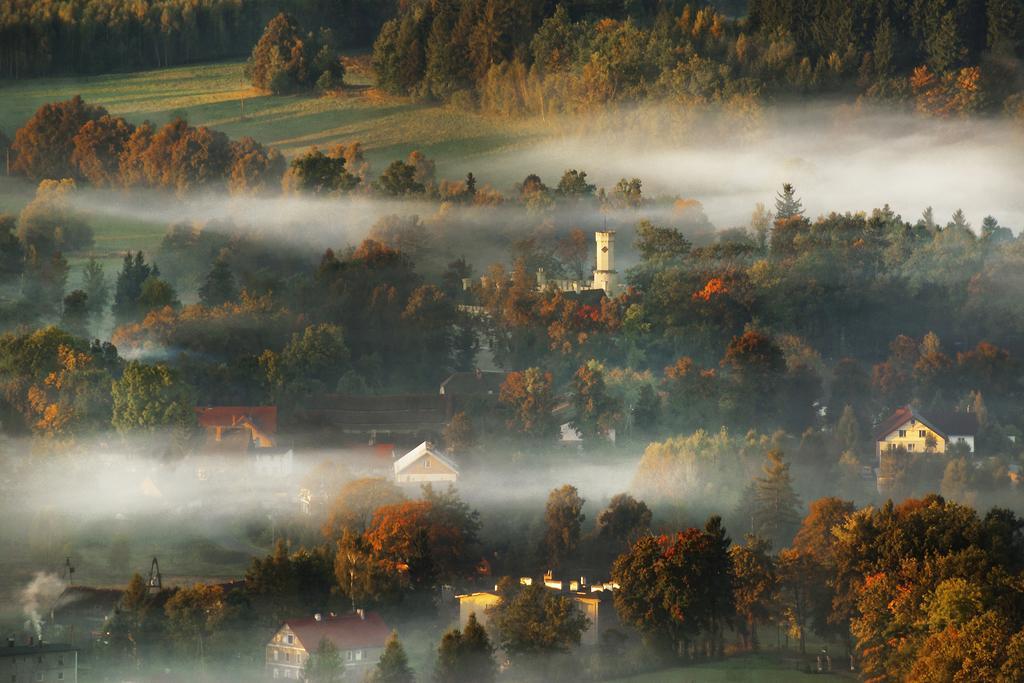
(424, 464)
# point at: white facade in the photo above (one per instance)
(423, 464)
(270, 462)
(605, 275)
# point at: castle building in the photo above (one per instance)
(604, 273)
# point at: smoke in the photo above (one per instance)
(41, 592)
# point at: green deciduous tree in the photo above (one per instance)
(532, 620)
(151, 397)
(563, 517)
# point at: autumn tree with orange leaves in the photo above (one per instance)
(678, 590)
(529, 397)
(74, 400)
(428, 540)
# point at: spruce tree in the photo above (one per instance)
(393, 666)
(134, 272)
(324, 665)
(219, 287)
(75, 315)
(466, 656)
(12, 253)
(786, 203)
(95, 286)
(776, 504)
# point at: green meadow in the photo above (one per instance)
(217, 95)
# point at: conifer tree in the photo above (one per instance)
(393, 666)
(466, 656)
(786, 203)
(219, 287)
(12, 253)
(95, 286)
(776, 504)
(324, 665)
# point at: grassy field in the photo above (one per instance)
(738, 669)
(213, 95)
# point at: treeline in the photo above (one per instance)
(513, 57)
(76, 140)
(924, 590)
(97, 36)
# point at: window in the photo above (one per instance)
(60, 675)
(39, 675)
(275, 657)
(920, 433)
(910, 446)
(359, 655)
(290, 639)
(348, 655)
(287, 657)
(275, 672)
(60, 660)
(903, 433)
(426, 463)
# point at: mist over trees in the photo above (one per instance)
(691, 452)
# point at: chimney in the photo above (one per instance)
(318, 616)
(361, 613)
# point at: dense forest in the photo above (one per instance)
(98, 36)
(538, 57)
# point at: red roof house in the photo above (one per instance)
(359, 637)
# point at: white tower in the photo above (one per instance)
(604, 274)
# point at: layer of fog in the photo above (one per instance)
(840, 159)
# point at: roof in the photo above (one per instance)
(82, 599)
(945, 424)
(587, 297)
(395, 412)
(420, 451)
(477, 383)
(346, 631)
(263, 417)
(20, 650)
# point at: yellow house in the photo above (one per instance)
(480, 603)
(909, 430)
(424, 464)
